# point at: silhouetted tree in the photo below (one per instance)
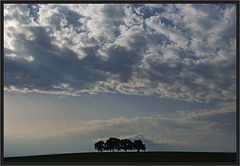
(130, 145)
(143, 147)
(116, 144)
(126, 144)
(107, 147)
(138, 145)
(113, 143)
(123, 144)
(99, 146)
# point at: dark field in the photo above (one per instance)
(128, 157)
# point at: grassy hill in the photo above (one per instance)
(128, 157)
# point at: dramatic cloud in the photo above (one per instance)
(184, 52)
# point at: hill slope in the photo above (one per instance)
(128, 157)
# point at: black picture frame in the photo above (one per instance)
(190, 161)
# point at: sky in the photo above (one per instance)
(78, 73)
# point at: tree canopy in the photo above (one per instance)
(119, 144)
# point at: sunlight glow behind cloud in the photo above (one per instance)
(184, 52)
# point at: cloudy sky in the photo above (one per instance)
(77, 73)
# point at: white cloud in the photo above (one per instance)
(184, 52)
(225, 108)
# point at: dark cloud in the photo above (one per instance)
(161, 49)
(52, 65)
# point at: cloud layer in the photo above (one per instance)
(202, 130)
(184, 52)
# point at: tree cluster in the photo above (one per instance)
(119, 144)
